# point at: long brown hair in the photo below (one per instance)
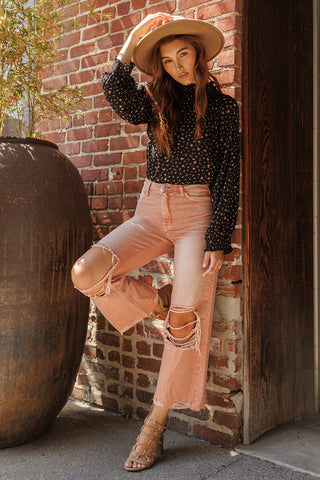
(165, 96)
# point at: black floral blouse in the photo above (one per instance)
(213, 159)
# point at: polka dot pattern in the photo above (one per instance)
(214, 159)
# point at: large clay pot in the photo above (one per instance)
(44, 228)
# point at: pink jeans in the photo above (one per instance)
(167, 217)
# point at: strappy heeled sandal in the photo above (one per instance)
(149, 444)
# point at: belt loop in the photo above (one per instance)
(181, 190)
(148, 186)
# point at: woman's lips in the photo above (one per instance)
(182, 75)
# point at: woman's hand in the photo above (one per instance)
(212, 262)
(144, 27)
(149, 23)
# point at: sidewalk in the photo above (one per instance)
(90, 444)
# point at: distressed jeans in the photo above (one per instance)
(167, 217)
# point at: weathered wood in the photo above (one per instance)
(278, 251)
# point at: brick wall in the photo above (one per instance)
(120, 372)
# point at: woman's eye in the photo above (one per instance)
(166, 61)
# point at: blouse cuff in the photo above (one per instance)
(218, 248)
(128, 67)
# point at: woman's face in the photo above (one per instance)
(178, 60)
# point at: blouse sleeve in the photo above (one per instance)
(225, 191)
(126, 96)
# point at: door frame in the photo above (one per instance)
(316, 195)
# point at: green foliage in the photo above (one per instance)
(29, 39)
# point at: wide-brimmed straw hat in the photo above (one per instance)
(210, 36)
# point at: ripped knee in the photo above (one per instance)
(91, 274)
(183, 327)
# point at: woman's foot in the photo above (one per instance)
(149, 443)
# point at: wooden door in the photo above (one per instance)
(278, 245)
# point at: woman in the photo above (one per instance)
(188, 203)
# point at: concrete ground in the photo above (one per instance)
(90, 444)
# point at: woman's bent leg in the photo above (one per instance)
(101, 273)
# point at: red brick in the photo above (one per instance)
(216, 437)
(134, 128)
(107, 130)
(126, 345)
(219, 399)
(79, 133)
(167, 7)
(144, 397)
(138, 4)
(143, 380)
(186, 4)
(123, 8)
(128, 362)
(226, 381)
(95, 31)
(78, 120)
(69, 39)
(231, 420)
(91, 89)
(107, 159)
(134, 157)
(54, 124)
(90, 118)
(151, 331)
(93, 352)
(218, 361)
(125, 22)
(233, 22)
(108, 339)
(127, 392)
(129, 202)
(114, 356)
(70, 148)
(78, 394)
(98, 203)
(219, 8)
(128, 377)
(56, 137)
(149, 364)
(130, 173)
(115, 203)
(93, 146)
(106, 402)
(157, 349)
(143, 348)
(131, 186)
(82, 161)
(110, 41)
(113, 388)
(86, 6)
(81, 77)
(93, 174)
(124, 143)
(93, 60)
(177, 424)
(234, 345)
(85, 49)
(142, 171)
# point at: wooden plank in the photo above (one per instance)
(277, 130)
